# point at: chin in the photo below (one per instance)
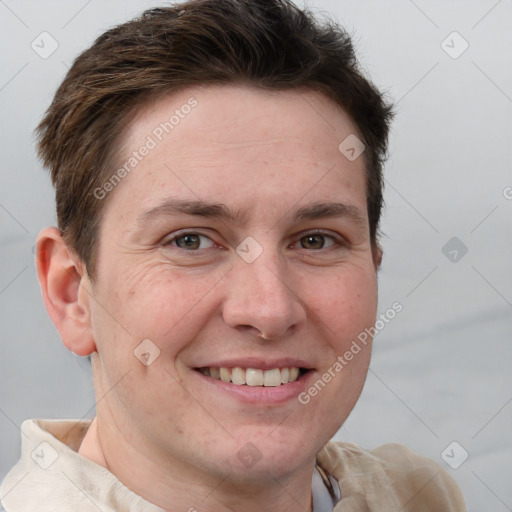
(273, 452)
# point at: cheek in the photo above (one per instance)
(159, 303)
(167, 308)
(346, 306)
(346, 303)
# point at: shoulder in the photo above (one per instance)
(391, 477)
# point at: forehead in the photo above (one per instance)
(241, 144)
(232, 114)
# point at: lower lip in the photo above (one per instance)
(261, 395)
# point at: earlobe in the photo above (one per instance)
(63, 281)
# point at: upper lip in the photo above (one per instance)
(257, 363)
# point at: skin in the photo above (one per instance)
(161, 429)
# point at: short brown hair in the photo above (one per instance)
(269, 44)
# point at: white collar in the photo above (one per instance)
(323, 501)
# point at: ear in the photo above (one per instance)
(377, 256)
(66, 291)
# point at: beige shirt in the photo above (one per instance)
(52, 477)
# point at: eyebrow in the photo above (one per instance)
(220, 211)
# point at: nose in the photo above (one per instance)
(261, 298)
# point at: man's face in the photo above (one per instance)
(252, 252)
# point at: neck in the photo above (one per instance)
(173, 485)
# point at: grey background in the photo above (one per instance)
(441, 368)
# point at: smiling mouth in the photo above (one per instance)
(254, 376)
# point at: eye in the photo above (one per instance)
(190, 241)
(317, 241)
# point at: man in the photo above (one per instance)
(218, 174)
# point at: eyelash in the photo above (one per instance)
(337, 241)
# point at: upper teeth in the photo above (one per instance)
(253, 376)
